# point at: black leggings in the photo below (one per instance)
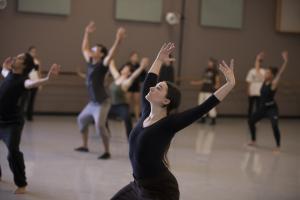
(27, 102)
(253, 105)
(270, 112)
(122, 111)
(11, 135)
(163, 187)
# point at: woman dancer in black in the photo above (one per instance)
(11, 115)
(150, 139)
(268, 107)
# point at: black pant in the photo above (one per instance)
(253, 105)
(270, 112)
(29, 105)
(11, 135)
(122, 111)
(163, 187)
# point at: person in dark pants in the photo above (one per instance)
(255, 81)
(268, 107)
(119, 87)
(134, 92)
(11, 115)
(35, 74)
(149, 141)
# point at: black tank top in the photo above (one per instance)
(267, 95)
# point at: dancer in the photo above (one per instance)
(210, 83)
(150, 139)
(96, 110)
(255, 81)
(268, 107)
(35, 74)
(11, 115)
(134, 94)
(119, 87)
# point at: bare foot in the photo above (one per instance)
(252, 144)
(20, 190)
(276, 150)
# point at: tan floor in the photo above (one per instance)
(209, 163)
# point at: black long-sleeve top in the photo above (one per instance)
(147, 145)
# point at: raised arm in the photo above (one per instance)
(85, 48)
(6, 66)
(54, 70)
(182, 120)
(113, 70)
(163, 55)
(7, 63)
(144, 63)
(222, 92)
(276, 80)
(119, 37)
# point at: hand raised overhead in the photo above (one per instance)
(228, 71)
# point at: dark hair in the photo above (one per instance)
(31, 47)
(214, 61)
(273, 70)
(174, 95)
(103, 50)
(133, 52)
(28, 63)
(127, 65)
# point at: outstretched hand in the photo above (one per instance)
(7, 63)
(54, 70)
(165, 51)
(121, 33)
(91, 27)
(228, 71)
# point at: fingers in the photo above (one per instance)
(224, 64)
(232, 64)
(8, 59)
(55, 69)
(224, 67)
(92, 24)
(122, 31)
(163, 47)
(168, 46)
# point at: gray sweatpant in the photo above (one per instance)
(97, 113)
